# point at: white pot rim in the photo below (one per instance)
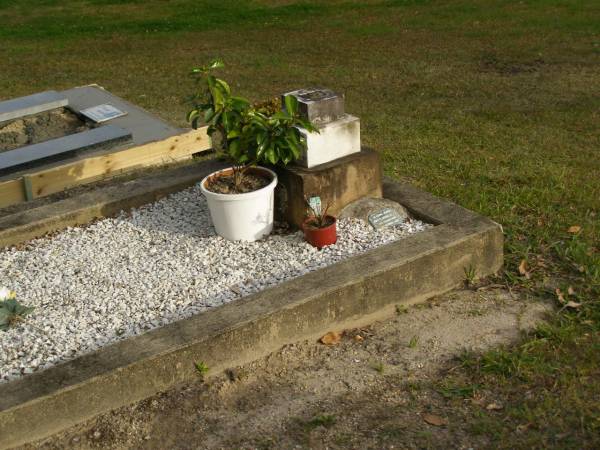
(243, 196)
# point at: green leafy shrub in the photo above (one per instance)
(247, 135)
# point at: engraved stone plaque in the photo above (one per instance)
(385, 217)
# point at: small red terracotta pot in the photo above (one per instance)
(320, 237)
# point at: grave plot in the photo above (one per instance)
(163, 262)
(54, 141)
(134, 285)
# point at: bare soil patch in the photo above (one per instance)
(225, 184)
(377, 388)
(40, 127)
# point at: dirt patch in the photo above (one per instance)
(40, 128)
(378, 388)
(225, 184)
(491, 63)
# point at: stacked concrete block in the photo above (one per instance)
(333, 167)
(339, 133)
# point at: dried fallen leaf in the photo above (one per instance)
(571, 291)
(572, 304)
(559, 295)
(479, 401)
(331, 338)
(359, 338)
(523, 427)
(523, 269)
(574, 229)
(432, 419)
(494, 407)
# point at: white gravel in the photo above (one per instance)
(163, 262)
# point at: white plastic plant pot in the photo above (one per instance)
(242, 217)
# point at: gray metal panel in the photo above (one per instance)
(32, 104)
(66, 144)
(143, 126)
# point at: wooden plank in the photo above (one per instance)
(176, 148)
(27, 188)
(11, 192)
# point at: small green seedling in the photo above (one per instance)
(413, 342)
(201, 367)
(450, 391)
(11, 311)
(323, 420)
(401, 309)
(470, 274)
(378, 367)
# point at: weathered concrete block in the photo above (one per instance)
(335, 140)
(337, 183)
(32, 104)
(318, 105)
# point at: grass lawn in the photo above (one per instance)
(493, 104)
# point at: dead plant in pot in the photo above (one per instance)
(320, 228)
(240, 198)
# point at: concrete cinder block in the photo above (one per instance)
(337, 183)
(32, 104)
(335, 140)
(318, 105)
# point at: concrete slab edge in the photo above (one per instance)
(31, 104)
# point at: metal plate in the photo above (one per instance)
(385, 217)
(102, 113)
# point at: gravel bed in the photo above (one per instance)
(163, 262)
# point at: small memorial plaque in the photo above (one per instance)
(385, 217)
(102, 113)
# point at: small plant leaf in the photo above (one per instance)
(12, 311)
(413, 342)
(291, 104)
(201, 367)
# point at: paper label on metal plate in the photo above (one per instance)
(315, 204)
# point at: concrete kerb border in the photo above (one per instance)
(353, 292)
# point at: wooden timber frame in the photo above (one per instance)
(56, 179)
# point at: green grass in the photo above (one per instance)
(492, 104)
